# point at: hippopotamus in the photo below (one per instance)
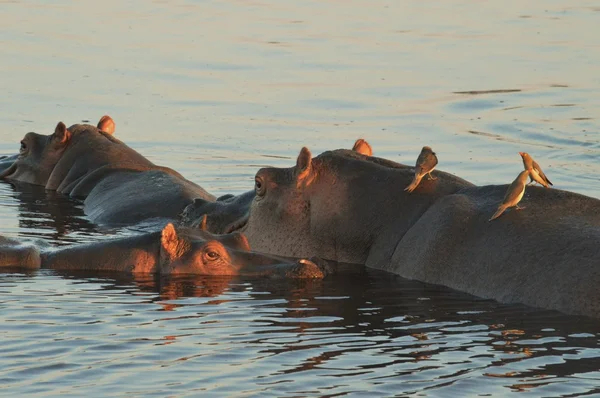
(106, 124)
(344, 206)
(228, 208)
(118, 185)
(172, 251)
(6, 161)
(221, 213)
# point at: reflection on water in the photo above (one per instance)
(216, 90)
(45, 215)
(378, 335)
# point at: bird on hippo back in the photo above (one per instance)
(172, 251)
(343, 206)
(119, 185)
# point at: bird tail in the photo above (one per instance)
(415, 182)
(498, 212)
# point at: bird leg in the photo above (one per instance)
(430, 177)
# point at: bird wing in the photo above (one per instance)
(540, 172)
(419, 171)
(513, 192)
(426, 162)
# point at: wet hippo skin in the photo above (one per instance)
(119, 185)
(172, 251)
(347, 207)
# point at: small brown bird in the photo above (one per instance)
(426, 162)
(361, 146)
(536, 174)
(513, 195)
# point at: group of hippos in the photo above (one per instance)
(331, 214)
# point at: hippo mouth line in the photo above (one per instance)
(8, 172)
(237, 225)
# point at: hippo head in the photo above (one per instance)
(193, 251)
(305, 210)
(279, 217)
(226, 210)
(39, 154)
(196, 251)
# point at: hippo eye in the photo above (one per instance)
(259, 186)
(212, 255)
(23, 146)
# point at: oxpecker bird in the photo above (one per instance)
(513, 195)
(536, 174)
(361, 146)
(426, 162)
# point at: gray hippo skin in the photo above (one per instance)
(221, 213)
(15, 253)
(119, 185)
(226, 210)
(343, 206)
(106, 124)
(172, 251)
(6, 161)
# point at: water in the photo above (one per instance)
(216, 90)
(375, 336)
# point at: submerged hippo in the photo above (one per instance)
(119, 185)
(174, 250)
(343, 206)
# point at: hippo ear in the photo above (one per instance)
(106, 124)
(61, 133)
(171, 243)
(363, 147)
(303, 164)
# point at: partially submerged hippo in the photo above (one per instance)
(174, 250)
(343, 206)
(6, 161)
(227, 209)
(221, 213)
(119, 185)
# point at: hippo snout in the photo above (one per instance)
(306, 269)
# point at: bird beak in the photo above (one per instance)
(521, 153)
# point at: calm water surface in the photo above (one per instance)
(216, 90)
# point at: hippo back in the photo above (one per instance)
(547, 255)
(91, 149)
